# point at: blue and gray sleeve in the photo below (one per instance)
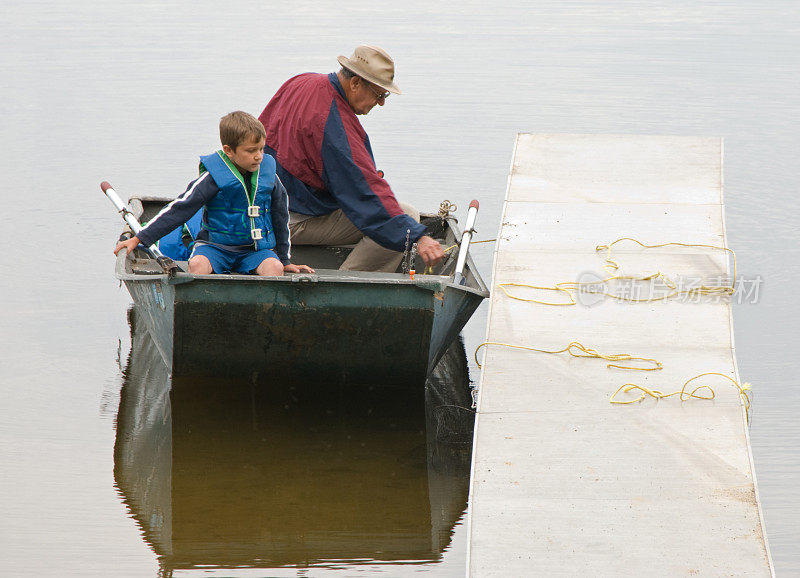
(280, 222)
(198, 193)
(366, 206)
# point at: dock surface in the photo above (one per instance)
(565, 482)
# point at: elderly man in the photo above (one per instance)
(324, 159)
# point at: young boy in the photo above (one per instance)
(245, 226)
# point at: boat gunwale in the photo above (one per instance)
(430, 282)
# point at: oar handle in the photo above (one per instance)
(466, 237)
(167, 264)
(122, 208)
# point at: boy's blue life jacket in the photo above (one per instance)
(225, 217)
(178, 243)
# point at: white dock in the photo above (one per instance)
(564, 482)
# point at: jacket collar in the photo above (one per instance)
(334, 79)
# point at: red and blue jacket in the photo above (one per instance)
(325, 161)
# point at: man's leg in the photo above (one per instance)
(369, 256)
(331, 229)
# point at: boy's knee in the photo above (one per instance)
(410, 210)
(270, 267)
(200, 265)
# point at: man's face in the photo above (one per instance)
(247, 155)
(364, 95)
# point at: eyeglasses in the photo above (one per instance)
(378, 95)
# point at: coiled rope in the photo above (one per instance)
(576, 349)
(683, 393)
(445, 208)
(570, 288)
(614, 266)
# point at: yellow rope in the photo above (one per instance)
(657, 394)
(451, 247)
(702, 290)
(556, 287)
(684, 395)
(571, 287)
(576, 349)
(445, 208)
(429, 269)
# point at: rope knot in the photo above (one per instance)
(445, 208)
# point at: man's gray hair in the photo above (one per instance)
(346, 73)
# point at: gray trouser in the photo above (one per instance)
(336, 229)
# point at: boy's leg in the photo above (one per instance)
(264, 262)
(270, 267)
(207, 259)
(200, 265)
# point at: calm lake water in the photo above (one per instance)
(132, 92)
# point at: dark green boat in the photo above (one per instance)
(345, 326)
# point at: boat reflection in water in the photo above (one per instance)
(228, 474)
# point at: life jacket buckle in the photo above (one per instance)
(253, 211)
(255, 234)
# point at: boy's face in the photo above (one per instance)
(247, 156)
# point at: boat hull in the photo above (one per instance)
(349, 327)
(366, 332)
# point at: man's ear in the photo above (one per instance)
(227, 150)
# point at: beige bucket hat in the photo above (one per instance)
(373, 64)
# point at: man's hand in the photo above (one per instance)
(430, 250)
(130, 245)
(290, 268)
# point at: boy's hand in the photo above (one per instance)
(130, 245)
(290, 268)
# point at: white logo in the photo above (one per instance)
(590, 289)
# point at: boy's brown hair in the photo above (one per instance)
(237, 127)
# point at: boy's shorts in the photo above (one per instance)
(225, 261)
